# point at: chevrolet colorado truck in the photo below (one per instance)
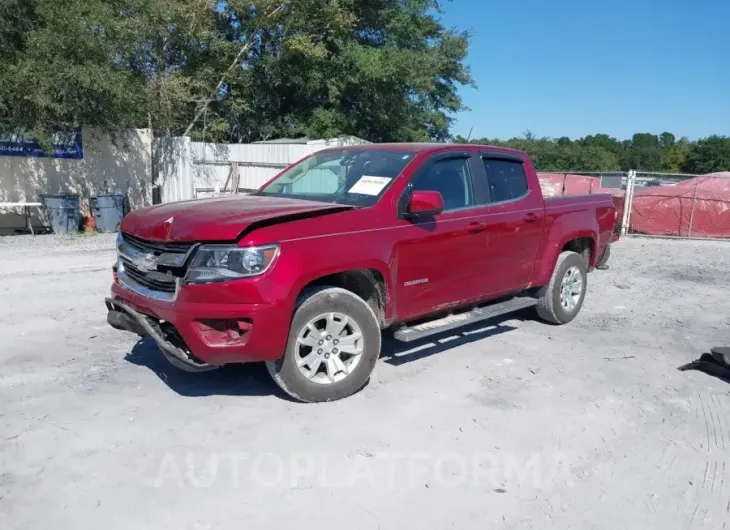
(307, 272)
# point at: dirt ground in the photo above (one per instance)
(514, 424)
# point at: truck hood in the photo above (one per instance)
(219, 219)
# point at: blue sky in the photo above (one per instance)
(577, 67)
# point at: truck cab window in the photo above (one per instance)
(332, 175)
(451, 178)
(506, 179)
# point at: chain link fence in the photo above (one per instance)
(655, 204)
(680, 205)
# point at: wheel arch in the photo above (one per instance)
(577, 240)
(583, 244)
(369, 283)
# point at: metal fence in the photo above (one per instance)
(679, 205)
(186, 170)
(656, 204)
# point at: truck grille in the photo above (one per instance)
(163, 278)
(165, 285)
(157, 247)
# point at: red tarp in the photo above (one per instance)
(661, 210)
(667, 210)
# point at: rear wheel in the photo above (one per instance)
(560, 301)
(333, 345)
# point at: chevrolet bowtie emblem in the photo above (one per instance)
(144, 262)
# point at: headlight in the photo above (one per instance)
(213, 263)
(120, 239)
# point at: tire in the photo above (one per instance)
(601, 265)
(330, 380)
(557, 309)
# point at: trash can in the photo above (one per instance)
(108, 211)
(63, 212)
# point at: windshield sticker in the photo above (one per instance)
(370, 185)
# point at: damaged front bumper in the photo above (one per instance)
(123, 317)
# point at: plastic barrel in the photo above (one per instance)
(108, 210)
(63, 212)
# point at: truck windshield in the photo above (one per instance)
(357, 177)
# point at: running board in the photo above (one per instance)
(447, 323)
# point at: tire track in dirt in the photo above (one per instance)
(693, 430)
(709, 421)
(712, 498)
(683, 461)
(721, 407)
(722, 404)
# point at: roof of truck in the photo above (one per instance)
(426, 147)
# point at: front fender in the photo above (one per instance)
(306, 261)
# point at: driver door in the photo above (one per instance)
(441, 259)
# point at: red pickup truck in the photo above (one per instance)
(307, 272)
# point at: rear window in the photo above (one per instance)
(506, 178)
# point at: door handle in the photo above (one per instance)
(530, 218)
(475, 227)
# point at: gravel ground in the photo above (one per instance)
(515, 424)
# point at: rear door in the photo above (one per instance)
(514, 220)
(440, 261)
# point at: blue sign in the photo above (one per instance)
(66, 144)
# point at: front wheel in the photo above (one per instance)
(560, 301)
(334, 343)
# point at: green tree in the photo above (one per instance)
(708, 155)
(384, 70)
(232, 70)
(61, 64)
(176, 51)
(675, 156)
(667, 140)
(643, 153)
(601, 141)
(600, 152)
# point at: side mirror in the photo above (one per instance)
(425, 204)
